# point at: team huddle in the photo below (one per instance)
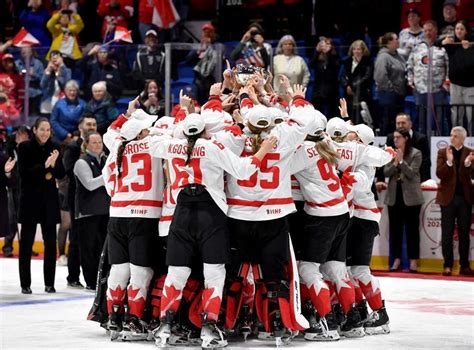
(266, 223)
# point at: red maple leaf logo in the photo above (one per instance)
(135, 305)
(211, 306)
(170, 299)
(117, 294)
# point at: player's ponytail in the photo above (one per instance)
(118, 161)
(191, 142)
(256, 136)
(323, 148)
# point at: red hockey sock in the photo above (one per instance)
(115, 297)
(374, 297)
(346, 294)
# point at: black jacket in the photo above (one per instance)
(72, 152)
(461, 65)
(325, 75)
(360, 80)
(39, 202)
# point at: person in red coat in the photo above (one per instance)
(115, 13)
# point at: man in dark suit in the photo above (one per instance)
(418, 141)
(71, 154)
(454, 166)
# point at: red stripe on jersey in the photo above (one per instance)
(117, 124)
(271, 201)
(295, 187)
(374, 210)
(138, 202)
(326, 204)
(166, 218)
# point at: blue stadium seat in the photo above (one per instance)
(185, 71)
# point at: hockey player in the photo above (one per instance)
(360, 241)
(199, 222)
(259, 205)
(135, 183)
(326, 222)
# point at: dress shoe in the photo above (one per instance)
(49, 289)
(466, 271)
(90, 289)
(447, 271)
(75, 284)
(413, 271)
(33, 253)
(26, 290)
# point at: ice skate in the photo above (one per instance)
(353, 326)
(245, 323)
(325, 329)
(362, 308)
(162, 334)
(377, 323)
(212, 337)
(134, 329)
(115, 323)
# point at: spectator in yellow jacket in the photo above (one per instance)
(65, 26)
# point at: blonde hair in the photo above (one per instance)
(256, 137)
(279, 49)
(365, 49)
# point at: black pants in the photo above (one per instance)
(262, 242)
(459, 209)
(92, 231)
(360, 241)
(74, 253)
(400, 217)
(27, 238)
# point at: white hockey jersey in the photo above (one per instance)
(266, 195)
(138, 192)
(320, 184)
(363, 200)
(208, 162)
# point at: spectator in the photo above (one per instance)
(389, 76)
(72, 152)
(411, 36)
(66, 113)
(40, 164)
(102, 68)
(449, 19)
(428, 77)
(65, 225)
(455, 195)
(55, 77)
(151, 99)
(357, 78)
(16, 92)
(289, 63)
(461, 71)
(4, 47)
(204, 61)
(115, 13)
(34, 19)
(23, 133)
(35, 73)
(417, 140)
(9, 114)
(6, 166)
(91, 206)
(325, 63)
(65, 26)
(150, 61)
(145, 18)
(101, 106)
(252, 49)
(404, 199)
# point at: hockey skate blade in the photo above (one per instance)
(330, 336)
(354, 333)
(265, 336)
(384, 329)
(132, 336)
(213, 344)
(114, 335)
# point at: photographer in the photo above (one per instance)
(252, 49)
(55, 77)
(35, 73)
(65, 26)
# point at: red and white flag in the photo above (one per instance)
(24, 38)
(164, 14)
(122, 33)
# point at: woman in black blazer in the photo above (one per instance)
(39, 164)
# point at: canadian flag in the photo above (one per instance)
(164, 14)
(24, 38)
(122, 33)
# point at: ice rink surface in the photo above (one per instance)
(424, 314)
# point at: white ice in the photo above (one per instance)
(429, 314)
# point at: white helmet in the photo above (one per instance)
(336, 127)
(365, 133)
(259, 116)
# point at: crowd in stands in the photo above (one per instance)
(376, 80)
